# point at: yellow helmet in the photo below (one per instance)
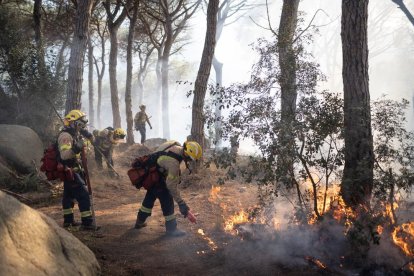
(75, 115)
(193, 150)
(119, 133)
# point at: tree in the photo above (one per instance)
(128, 99)
(90, 81)
(173, 16)
(227, 9)
(405, 10)
(77, 55)
(101, 29)
(113, 27)
(357, 181)
(200, 86)
(287, 82)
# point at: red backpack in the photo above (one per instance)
(144, 171)
(52, 168)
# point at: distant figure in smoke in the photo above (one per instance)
(140, 119)
(104, 144)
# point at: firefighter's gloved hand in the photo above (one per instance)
(78, 146)
(183, 208)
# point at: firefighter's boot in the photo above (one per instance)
(171, 229)
(140, 224)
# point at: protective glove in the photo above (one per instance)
(78, 146)
(183, 208)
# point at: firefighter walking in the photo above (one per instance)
(167, 189)
(105, 140)
(70, 144)
(141, 118)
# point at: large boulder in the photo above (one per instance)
(20, 146)
(33, 244)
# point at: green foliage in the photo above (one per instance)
(253, 112)
(27, 88)
(22, 184)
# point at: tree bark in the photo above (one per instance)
(200, 87)
(405, 10)
(90, 82)
(218, 68)
(37, 16)
(77, 55)
(164, 77)
(128, 98)
(287, 81)
(113, 27)
(357, 181)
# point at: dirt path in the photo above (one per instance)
(123, 250)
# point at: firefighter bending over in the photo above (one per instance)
(167, 189)
(70, 144)
(140, 119)
(104, 145)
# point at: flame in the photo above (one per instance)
(238, 218)
(389, 211)
(315, 261)
(403, 237)
(211, 243)
(214, 194)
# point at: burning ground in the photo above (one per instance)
(232, 235)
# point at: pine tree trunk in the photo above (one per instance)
(158, 92)
(37, 16)
(90, 82)
(287, 81)
(357, 181)
(77, 55)
(200, 87)
(113, 60)
(164, 77)
(218, 68)
(128, 98)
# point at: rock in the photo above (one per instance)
(19, 146)
(33, 244)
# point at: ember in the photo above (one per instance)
(211, 243)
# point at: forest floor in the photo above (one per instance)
(123, 250)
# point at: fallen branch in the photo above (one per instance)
(16, 195)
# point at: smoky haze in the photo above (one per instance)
(391, 57)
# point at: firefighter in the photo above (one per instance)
(70, 144)
(167, 191)
(104, 144)
(140, 119)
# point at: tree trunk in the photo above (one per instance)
(405, 10)
(200, 87)
(218, 68)
(113, 27)
(287, 81)
(99, 104)
(77, 55)
(90, 82)
(37, 15)
(59, 74)
(357, 181)
(128, 98)
(159, 92)
(113, 56)
(164, 77)
(140, 88)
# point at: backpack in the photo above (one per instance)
(144, 171)
(52, 168)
